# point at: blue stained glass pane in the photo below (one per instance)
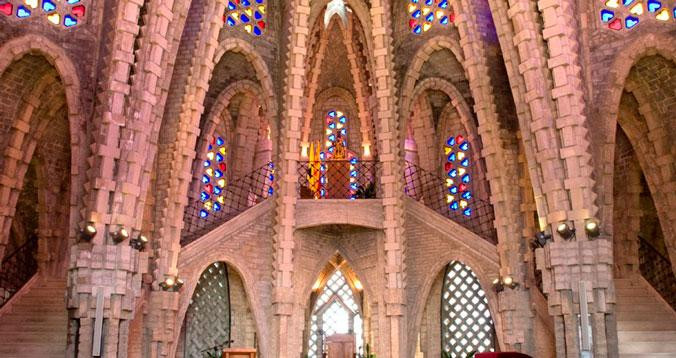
(217, 190)
(69, 21)
(48, 6)
(465, 162)
(467, 195)
(467, 212)
(429, 2)
(245, 3)
(231, 23)
(218, 173)
(257, 31)
(353, 173)
(210, 147)
(205, 179)
(260, 1)
(331, 149)
(343, 131)
(271, 177)
(630, 22)
(217, 207)
(22, 12)
(271, 165)
(342, 119)
(429, 17)
(219, 157)
(353, 186)
(444, 20)
(220, 141)
(322, 192)
(607, 15)
(465, 178)
(453, 173)
(453, 189)
(627, 2)
(204, 196)
(322, 155)
(464, 146)
(416, 14)
(231, 6)
(443, 4)
(332, 114)
(270, 191)
(203, 213)
(654, 5)
(322, 180)
(450, 142)
(454, 206)
(332, 125)
(71, 2)
(354, 161)
(257, 15)
(417, 30)
(207, 163)
(451, 157)
(332, 137)
(244, 19)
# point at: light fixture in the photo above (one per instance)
(120, 235)
(591, 227)
(565, 231)
(541, 239)
(139, 242)
(508, 281)
(88, 233)
(171, 283)
(358, 285)
(497, 285)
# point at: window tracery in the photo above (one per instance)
(246, 14)
(627, 14)
(62, 13)
(466, 323)
(214, 177)
(424, 14)
(458, 178)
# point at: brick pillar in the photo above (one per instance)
(392, 334)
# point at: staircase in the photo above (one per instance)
(646, 324)
(35, 325)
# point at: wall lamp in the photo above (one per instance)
(591, 227)
(500, 283)
(172, 284)
(541, 239)
(88, 232)
(120, 235)
(565, 231)
(139, 242)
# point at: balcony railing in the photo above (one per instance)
(338, 179)
(239, 195)
(429, 189)
(17, 268)
(657, 270)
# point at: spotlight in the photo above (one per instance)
(172, 284)
(120, 235)
(88, 233)
(591, 226)
(565, 231)
(541, 239)
(139, 242)
(508, 281)
(498, 286)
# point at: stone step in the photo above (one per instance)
(646, 307)
(646, 326)
(644, 316)
(647, 336)
(647, 347)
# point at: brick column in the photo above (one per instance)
(392, 341)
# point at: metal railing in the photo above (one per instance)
(429, 189)
(17, 268)
(657, 270)
(239, 195)
(338, 179)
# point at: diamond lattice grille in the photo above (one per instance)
(335, 311)
(466, 323)
(208, 316)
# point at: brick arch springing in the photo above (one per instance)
(10, 52)
(219, 119)
(192, 271)
(485, 271)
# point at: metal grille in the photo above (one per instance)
(17, 268)
(208, 316)
(338, 179)
(335, 312)
(239, 195)
(430, 190)
(656, 269)
(466, 323)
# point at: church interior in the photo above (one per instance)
(338, 178)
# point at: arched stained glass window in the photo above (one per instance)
(466, 323)
(458, 178)
(627, 14)
(61, 13)
(214, 179)
(208, 316)
(424, 14)
(246, 14)
(335, 312)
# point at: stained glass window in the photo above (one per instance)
(208, 316)
(627, 14)
(335, 312)
(246, 14)
(423, 14)
(214, 177)
(466, 323)
(61, 13)
(458, 179)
